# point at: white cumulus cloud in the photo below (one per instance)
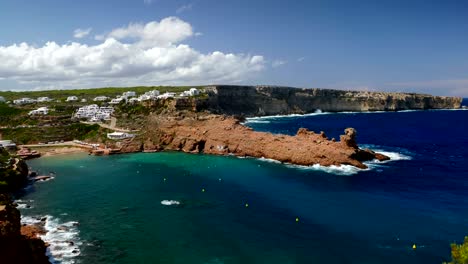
(81, 33)
(278, 63)
(166, 32)
(138, 54)
(184, 8)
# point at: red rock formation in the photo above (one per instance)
(221, 135)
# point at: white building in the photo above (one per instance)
(7, 144)
(151, 95)
(39, 111)
(191, 92)
(24, 101)
(44, 100)
(194, 92)
(2, 99)
(72, 99)
(119, 135)
(116, 101)
(166, 95)
(129, 94)
(83, 100)
(101, 99)
(94, 113)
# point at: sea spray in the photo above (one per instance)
(62, 237)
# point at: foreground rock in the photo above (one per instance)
(221, 135)
(19, 245)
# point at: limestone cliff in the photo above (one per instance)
(273, 100)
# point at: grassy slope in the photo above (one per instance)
(89, 94)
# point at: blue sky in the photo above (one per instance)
(412, 46)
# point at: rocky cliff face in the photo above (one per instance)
(17, 243)
(18, 246)
(271, 100)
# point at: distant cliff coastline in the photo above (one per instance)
(274, 100)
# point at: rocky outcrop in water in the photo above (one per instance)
(224, 135)
(272, 100)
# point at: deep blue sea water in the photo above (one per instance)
(372, 216)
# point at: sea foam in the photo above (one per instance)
(346, 170)
(170, 202)
(62, 237)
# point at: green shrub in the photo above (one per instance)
(460, 253)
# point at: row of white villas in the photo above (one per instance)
(23, 101)
(40, 111)
(94, 113)
(26, 100)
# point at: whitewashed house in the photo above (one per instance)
(191, 92)
(84, 100)
(24, 101)
(129, 94)
(44, 99)
(39, 111)
(72, 98)
(94, 113)
(116, 101)
(101, 99)
(194, 92)
(119, 135)
(2, 99)
(7, 144)
(152, 93)
(166, 95)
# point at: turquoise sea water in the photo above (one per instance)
(236, 210)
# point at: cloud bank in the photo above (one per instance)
(138, 54)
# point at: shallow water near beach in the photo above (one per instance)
(183, 208)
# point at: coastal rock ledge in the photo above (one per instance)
(225, 135)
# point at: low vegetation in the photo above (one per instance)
(10, 179)
(26, 135)
(459, 253)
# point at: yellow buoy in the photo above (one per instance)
(246, 205)
(414, 246)
(297, 219)
(203, 190)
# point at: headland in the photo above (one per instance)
(204, 119)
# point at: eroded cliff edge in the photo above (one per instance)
(274, 100)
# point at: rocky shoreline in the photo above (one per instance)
(19, 244)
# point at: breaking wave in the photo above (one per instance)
(346, 170)
(170, 202)
(62, 237)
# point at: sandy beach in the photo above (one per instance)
(54, 151)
